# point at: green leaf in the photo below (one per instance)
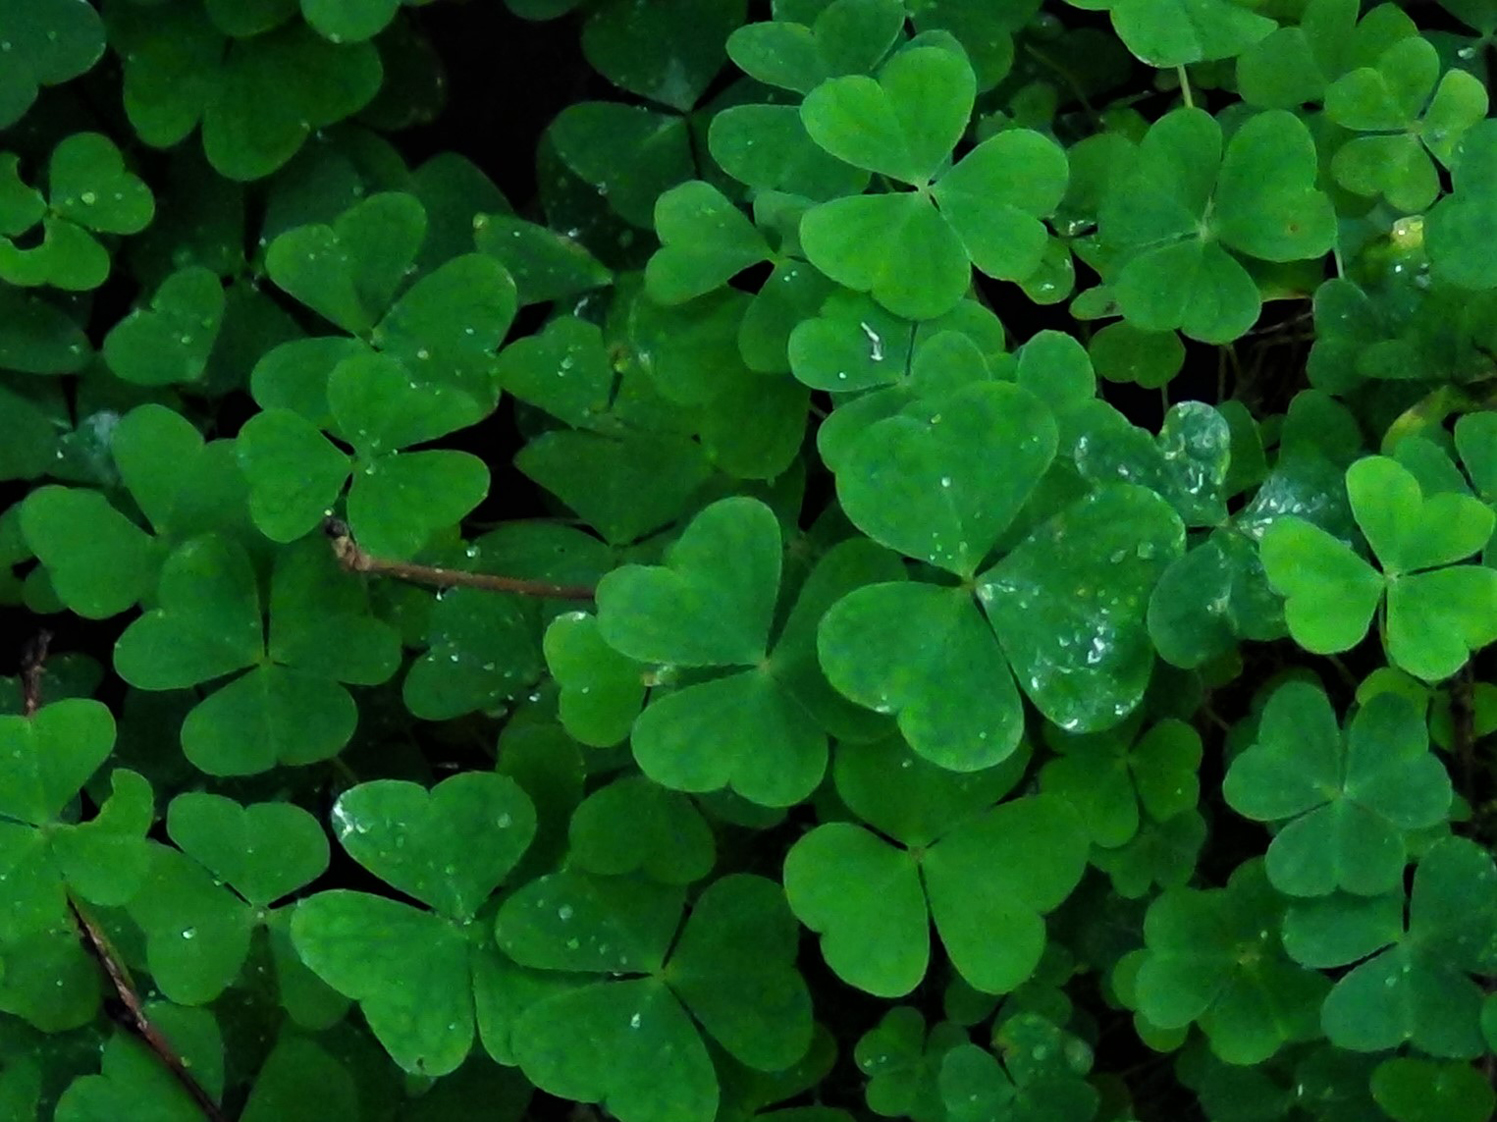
(991, 879)
(905, 123)
(51, 42)
(633, 824)
(941, 482)
(209, 622)
(50, 756)
(264, 851)
(131, 1075)
(424, 842)
(170, 342)
(625, 487)
(838, 878)
(627, 152)
(924, 653)
(87, 183)
(349, 21)
(408, 969)
(774, 755)
(545, 265)
(1185, 31)
(626, 1045)
(349, 272)
(711, 603)
(1331, 592)
(1417, 990)
(295, 474)
(705, 240)
(1212, 957)
(896, 246)
(197, 932)
(1267, 204)
(995, 197)
(100, 563)
(1350, 803)
(1415, 1090)
(668, 52)
(767, 148)
(734, 969)
(1069, 604)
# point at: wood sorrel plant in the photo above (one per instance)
(988, 620)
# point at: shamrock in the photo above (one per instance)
(1435, 612)
(1417, 989)
(1347, 802)
(398, 499)
(101, 562)
(88, 192)
(1213, 957)
(711, 605)
(903, 1064)
(730, 971)
(414, 970)
(206, 906)
(985, 874)
(1391, 104)
(914, 250)
(1170, 219)
(209, 622)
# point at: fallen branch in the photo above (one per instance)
(98, 945)
(355, 560)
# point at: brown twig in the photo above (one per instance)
(33, 666)
(98, 945)
(355, 560)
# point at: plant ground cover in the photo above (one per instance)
(701, 560)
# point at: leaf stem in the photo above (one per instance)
(1185, 87)
(98, 945)
(355, 560)
(33, 666)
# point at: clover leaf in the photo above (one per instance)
(1414, 1090)
(704, 239)
(398, 499)
(1391, 103)
(50, 43)
(986, 881)
(913, 256)
(1418, 988)
(730, 971)
(1349, 801)
(258, 97)
(668, 52)
(843, 37)
(200, 933)
(1108, 776)
(170, 341)
(1172, 216)
(130, 1074)
(89, 192)
(290, 707)
(1436, 612)
(601, 690)
(1042, 1076)
(423, 843)
(633, 824)
(1069, 604)
(46, 856)
(712, 605)
(1184, 31)
(1213, 957)
(100, 562)
(903, 1064)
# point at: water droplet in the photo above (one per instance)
(503, 821)
(945, 481)
(190, 933)
(634, 1021)
(564, 913)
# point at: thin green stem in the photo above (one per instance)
(1185, 87)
